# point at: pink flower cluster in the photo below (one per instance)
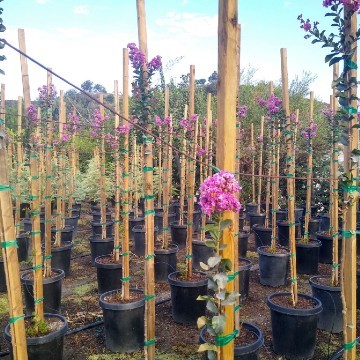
(201, 152)
(272, 104)
(137, 58)
(47, 96)
(354, 4)
(241, 111)
(97, 123)
(310, 131)
(328, 113)
(189, 124)
(160, 122)
(294, 121)
(123, 129)
(260, 138)
(217, 193)
(31, 114)
(111, 140)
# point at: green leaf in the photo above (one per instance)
(213, 261)
(330, 56)
(226, 264)
(210, 243)
(212, 285)
(212, 307)
(343, 140)
(207, 347)
(221, 280)
(212, 354)
(205, 297)
(201, 322)
(225, 224)
(204, 266)
(218, 323)
(230, 299)
(356, 152)
(335, 60)
(210, 227)
(221, 295)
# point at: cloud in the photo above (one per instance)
(41, 2)
(81, 10)
(185, 2)
(287, 4)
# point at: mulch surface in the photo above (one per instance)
(80, 305)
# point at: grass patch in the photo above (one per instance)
(4, 309)
(84, 289)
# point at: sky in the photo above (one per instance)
(83, 39)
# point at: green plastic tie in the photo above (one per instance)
(2, 121)
(149, 342)
(335, 265)
(289, 175)
(34, 213)
(116, 221)
(294, 280)
(125, 151)
(292, 255)
(348, 234)
(125, 212)
(125, 175)
(165, 228)
(149, 297)
(188, 256)
(125, 253)
(306, 233)
(35, 232)
(47, 257)
(10, 243)
(5, 187)
(126, 278)
(237, 307)
(37, 267)
(33, 156)
(350, 110)
(57, 230)
(33, 197)
(117, 247)
(147, 169)
(226, 339)
(350, 188)
(350, 345)
(335, 234)
(291, 224)
(202, 228)
(232, 277)
(47, 197)
(149, 197)
(125, 191)
(48, 220)
(190, 196)
(16, 318)
(149, 212)
(36, 301)
(149, 257)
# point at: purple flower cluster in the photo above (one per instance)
(354, 4)
(310, 131)
(47, 96)
(217, 193)
(189, 124)
(294, 121)
(328, 113)
(137, 58)
(201, 152)
(272, 104)
(306, 25)
(111, 140)
(155, 63)
(241, 111)
(160, 122)
(31, 114)
(123, 129)
(260, 138)
(97, 123)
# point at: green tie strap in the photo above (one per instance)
(36, 301)
(350, 345)
(149, 297)
(5, 187)
(149, 342)
(149, 257)
(232, 277)
(126, 278)
(237, 307)
(10, 243)
(149, 212)
(226, 339)
(37, 267)
(16, 318)
(188, 256)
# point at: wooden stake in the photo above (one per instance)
(2, 108)
(226, 133)
(260, 162)
(290, 175)
(24, 68)
(275, 136)
(19, 165)
(183, 172)
(252, 154)
(102, 173)
(125, 196)
(40, 152)
(72, 172)
(11, 262)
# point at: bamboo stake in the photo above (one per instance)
(226, 135)
(160, 153)
(190, 179)
(18, 166)
(268, 180)
(48, 190)
(309, 172)
(252, 162)
(349, 241)
(125, 193)
(274, 181)
(40, 152)
(72, 172)
(64, 163)
(149, 204)
(11, 263)
(2, 108)
(24, 68)
(260, 162)
(290, 175)
(102, 173)
(182, 172)
(165, 175)
(211, 145)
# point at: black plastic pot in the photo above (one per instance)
(294, 330)
(23, 242)
(108, 275)
(244, 277)
(178, 234)
(284, 232)
(324, 222)
(281, 215)
(66, 234)
(52, 292)
(165, 262)
(97, 207)
(97, 215)
(76, 213)
(97, 228)
(298, 214)
(72, 221)
(249, 209)
(46, 347)
(186, 309)
(273, 268)
(61, 257)
(243, 241)
(100, 247)
(326, 249)
(200, 253)
(159, 220)
(248, 351)
(331, 318)
(358, 289)
(242, 219)
(176, 207)
(2, 276)
(314, 227)
(262, 236)
(256, 219)
(76, 206)
(357, 239)
(307, 257)
(196, 219)
(139, 239)
(28, 227)
(123, 324)
(135, 222)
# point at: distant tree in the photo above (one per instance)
(87, 86)
(2, 29)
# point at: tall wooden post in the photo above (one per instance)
(260, 161)
(48, 190)
(2, 108)
(125, 191)
(183, 172)
(24, 68)
(252, 154)
(19, 165)
(226, 132)
(349, 233)
(149, 204)
(290, 174)
(102, 172)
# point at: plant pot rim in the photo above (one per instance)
(262, 252)
(184, 283)
(65, 245)
(98, 223)
(174, 249)
(161, 214)
(139, 218)
(247, 348)
(311, 244)
(286, 223)
(60, 275)
(23, 235)
(177, 225)
(261, 228)
(95, 238)
(66, 229)
(246, 266)
(106, 266)
(38, 340)
(118, 306)
(199, 242)
(291, 311)
(141, 228)
(71, 217)
(312, 281)
(253, 214)
(326, 236)
(243, 234)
